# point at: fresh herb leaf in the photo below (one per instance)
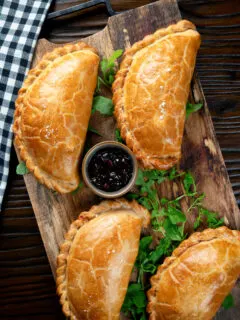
(189, 183)
(78, 188)
(175, 215)
(228, 302)
(147, 267)
(139, 299)
(146, 179)
(212, 218)
(164, 201)
(168, 219)
(146, 202)
(155, 175)
(108, 69)
(173, 174)
(135, 301)
(140, 178)
(102, 105)
(161, 250)
(22, 169)
(190, 108)
(197, 222)
(172, 231)
(91, 129)
(143, 250)
(148, 258)
(118, 136)
(145, 243)
(116, 54)
(131, 196)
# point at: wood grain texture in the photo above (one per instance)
(218, 68)
(201, 152)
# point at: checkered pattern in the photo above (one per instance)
(20, 25)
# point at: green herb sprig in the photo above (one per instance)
(228, 302)
(21, 168)
(166, 218)
(102, 105)
(118, 136)
(190, 108)
(135, 302)
(108, 68)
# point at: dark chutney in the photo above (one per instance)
(110, 169)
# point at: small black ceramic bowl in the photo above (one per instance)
(109, 169)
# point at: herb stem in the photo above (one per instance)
(193, 205)
(178, 198)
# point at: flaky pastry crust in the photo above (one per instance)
(87, 298)
(193, 282)
(52, 113)
(150, 92)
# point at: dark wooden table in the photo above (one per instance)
(27, 288)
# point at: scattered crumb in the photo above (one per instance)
(126, 38)
(210, 145)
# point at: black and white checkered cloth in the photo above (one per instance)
(20, 25)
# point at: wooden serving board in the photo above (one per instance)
(200, 151)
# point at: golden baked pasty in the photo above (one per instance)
(97, 257)
(150, 93)
(52, 114)
(193, 282)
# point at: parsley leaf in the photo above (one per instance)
(118, 136)
(116, 54)
(146, 179)
(173, 174)
(131, 196)
(135, 302)
(161, 250)
(228, 302)
(175, 215)
(108, 69)
(189, 183)
(140, 178)
(91, 129)
(148, 257)
(166, 218)
(212, 218)
(102, 105)
(22, 169)
(197, 222)
(173, 232)
(190, 108)
(143, 250)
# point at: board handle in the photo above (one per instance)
(81, 6)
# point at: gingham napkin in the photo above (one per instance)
(20, 25)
